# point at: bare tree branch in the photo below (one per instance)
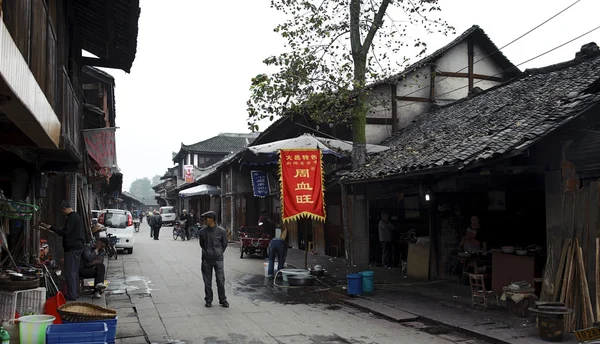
(377, 23)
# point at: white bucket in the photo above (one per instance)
(32, 328)
(293, 272)
(275, 267)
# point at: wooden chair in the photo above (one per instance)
(479, 293)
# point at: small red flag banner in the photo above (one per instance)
(302, 191)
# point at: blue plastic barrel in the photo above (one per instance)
(354, 284)
(368, 281)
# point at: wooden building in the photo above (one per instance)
(42, 85)
(523, 156)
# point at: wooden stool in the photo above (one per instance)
(479, 293)
(310, 246)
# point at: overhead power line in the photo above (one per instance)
(499, 49)
(508, 69)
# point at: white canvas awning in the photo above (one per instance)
(307, 141)
(199, 190)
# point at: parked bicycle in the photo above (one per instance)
(195, 231)
(111, 250)
(178, 230)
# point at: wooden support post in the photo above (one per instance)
(561, 268)
(587, 311)
(394, 105)
(306, 244)
(597, 279)
(471, 56)
(432, 76)
(345, 224)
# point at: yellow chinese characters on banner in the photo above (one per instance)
(302, 192)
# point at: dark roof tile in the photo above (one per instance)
(496, 121)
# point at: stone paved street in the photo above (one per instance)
(158, 292)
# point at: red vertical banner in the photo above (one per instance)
(302, 191)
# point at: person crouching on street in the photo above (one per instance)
(73, 241)
(213, 241)
(92, 265)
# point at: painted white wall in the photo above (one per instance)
(450, 88)
(416, 84)
(379, 102)
(486, 66)
(377, 133)
(455, 59)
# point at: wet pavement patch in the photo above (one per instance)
(260, 288)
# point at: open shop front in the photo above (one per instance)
(492, 226)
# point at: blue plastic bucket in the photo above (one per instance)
(368, 281)
(354, 284)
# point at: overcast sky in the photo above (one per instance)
(190, 78)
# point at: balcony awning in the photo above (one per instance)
(200, 190)
(100, 145)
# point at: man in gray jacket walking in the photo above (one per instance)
(213, 241)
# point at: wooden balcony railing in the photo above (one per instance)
(34, 28)
(72, 110)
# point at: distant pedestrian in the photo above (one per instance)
(156, 224)
(213, 241)
(73, 240)
(187, 222)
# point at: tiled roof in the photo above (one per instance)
(480, 37)
(223, 143)
(506, 118)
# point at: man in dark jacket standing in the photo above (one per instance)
(73, 241)
(213, 240)
(156, 224)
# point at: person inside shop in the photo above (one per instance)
(213, 241)
(92, 265)
(385, 237)
(474, 239)
(188, 222)
(73, 240)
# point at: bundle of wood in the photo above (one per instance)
(572, 283)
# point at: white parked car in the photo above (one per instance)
(120, 224)
(168, 215)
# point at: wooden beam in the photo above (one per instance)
(394, 108)
(432, 76)
(466, 75)
(471, 56)
(379, 121)
(91, 61)
(414, 99)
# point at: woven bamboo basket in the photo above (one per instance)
(83, 311)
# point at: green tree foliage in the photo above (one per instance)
(142, 188)
(155, 180)
(334, 49)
